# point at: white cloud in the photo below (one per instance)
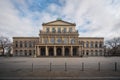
(103, 15)
(10, 23)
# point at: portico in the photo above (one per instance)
(58, 50)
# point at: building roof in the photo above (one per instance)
(59, 22)
(91, 37)
(25, 37)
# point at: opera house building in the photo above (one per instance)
(58, 39)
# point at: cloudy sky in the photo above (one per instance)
(93, 18)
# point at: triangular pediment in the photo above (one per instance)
(59, 23)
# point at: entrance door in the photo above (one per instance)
(42, 51)
(66, 51)
(59, 52)
(74, 51)
(51, 52)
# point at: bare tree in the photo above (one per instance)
(113, 45)
(4, 43)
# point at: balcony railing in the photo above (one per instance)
(44, 32)
(58, 44)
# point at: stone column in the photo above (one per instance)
(63, 52)
(46, 51)
(35, 51)
(38, 51)
(79, 51)
(85, 52)
(54, 50)
(71, 51)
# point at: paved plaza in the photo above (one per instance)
(60, 67)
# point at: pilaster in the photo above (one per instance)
(54, 50)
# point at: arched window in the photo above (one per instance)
(16, 44)
(52, 40)
(25, 52)
(87, 52)
(25, 43)
(96, 44)
(21, 52)
(59, 40)
(33, 43)
(91, 44)
(82, 43)
(21, 44)
(100, 51)
(33, 51)
(91, 52)
(100, 44)
(96, 52)
(83, 52)
(30, 52)
(87, 44)
(16, 52)
(30, 44)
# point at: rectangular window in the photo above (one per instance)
(70, 29)
(47, 30)
(59, 30)
(53, 30)
(87, 44)
(64, 30)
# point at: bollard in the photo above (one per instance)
(115, 66)
(82, 66)
(98, 66)
(65, 66)
(50, 66)
(32, 67)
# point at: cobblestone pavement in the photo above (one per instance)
(99, 67)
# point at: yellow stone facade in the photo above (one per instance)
(58, 38)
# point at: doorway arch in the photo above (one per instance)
(51, 52)
(74, 51)
(66, 51)
(43, 52)
(59, 52)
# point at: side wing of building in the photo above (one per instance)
(92, 46)
(24, 46)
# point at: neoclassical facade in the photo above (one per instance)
(58, 38)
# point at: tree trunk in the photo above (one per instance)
(3, 52)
